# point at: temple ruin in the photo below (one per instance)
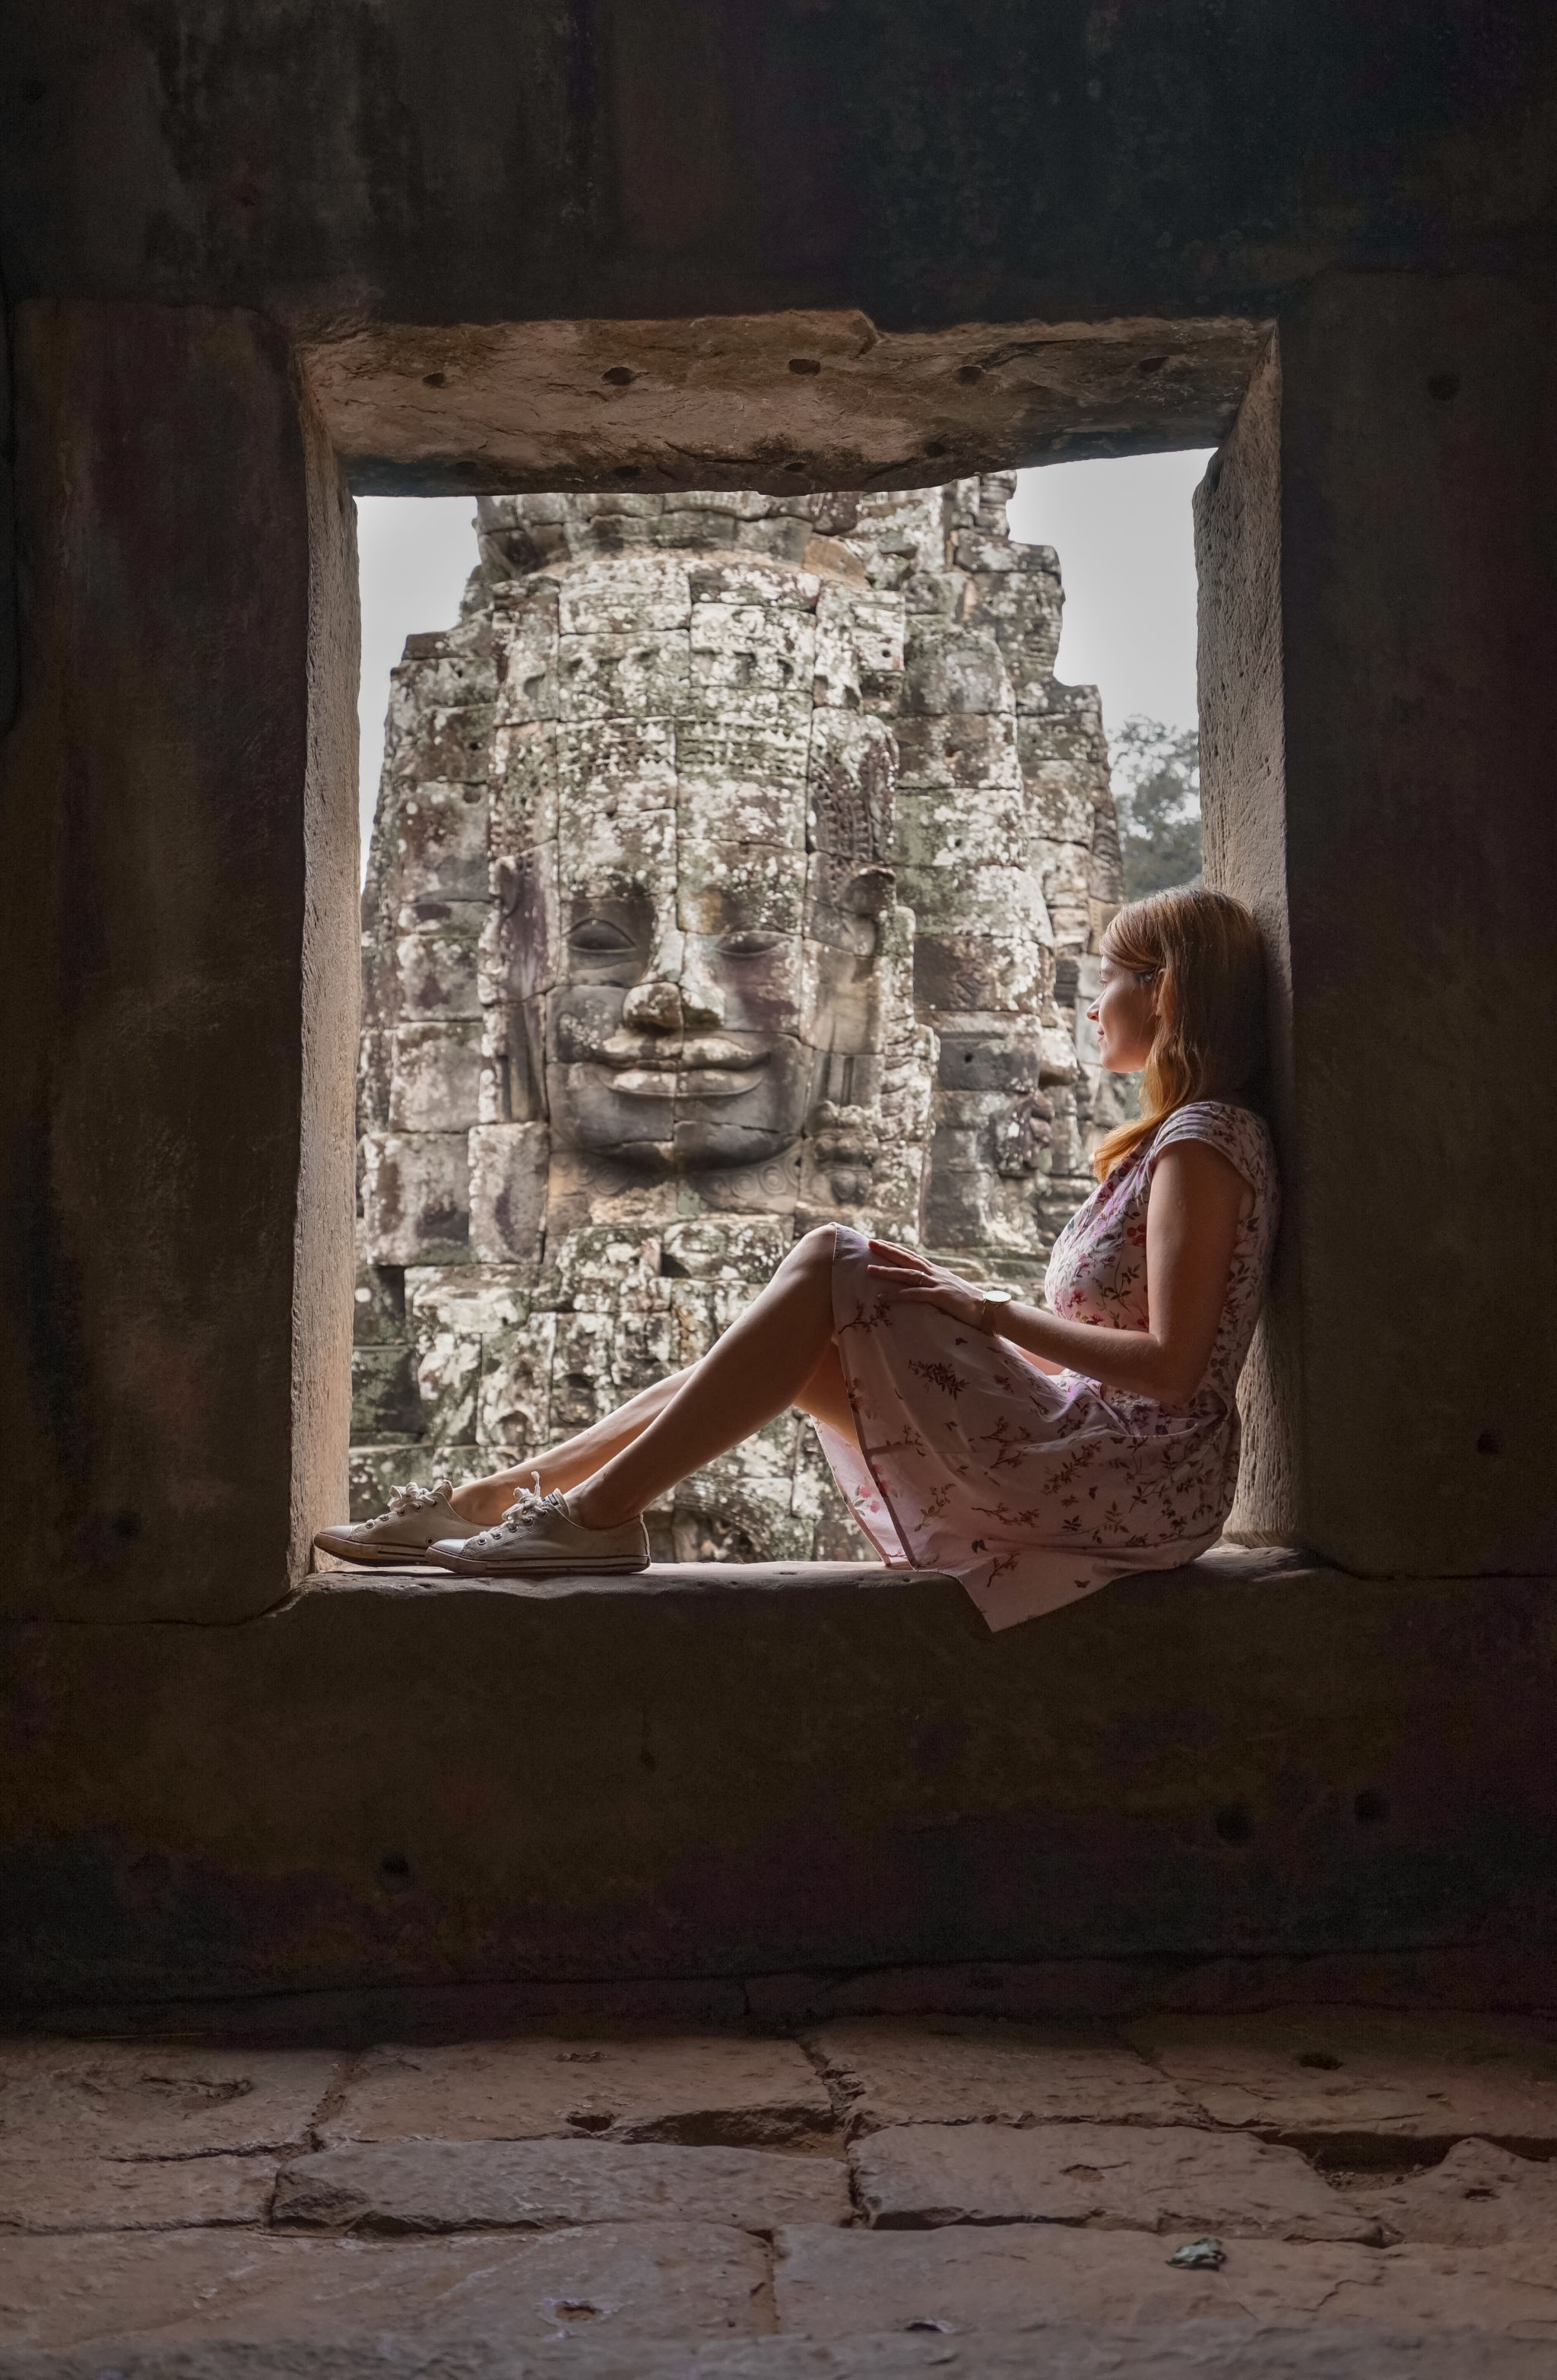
(339, 1908)
(738, 867)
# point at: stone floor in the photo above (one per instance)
(874, 2196)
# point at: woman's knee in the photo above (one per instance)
(813, 1253)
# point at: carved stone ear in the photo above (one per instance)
(870, 892)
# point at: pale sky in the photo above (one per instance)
(414, 557)
(1122, 531)
(1126, 542)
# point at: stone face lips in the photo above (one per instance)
(738, 858)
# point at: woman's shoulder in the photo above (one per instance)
(1238, 1132)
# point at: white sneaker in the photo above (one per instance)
(537, 1536)
(404, 1534)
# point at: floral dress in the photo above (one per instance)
(1034, 1487)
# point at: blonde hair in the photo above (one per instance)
(1203, 951)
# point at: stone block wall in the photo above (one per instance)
(737, 867)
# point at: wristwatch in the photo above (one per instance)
(995, 1303)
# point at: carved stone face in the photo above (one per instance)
(701, 822)
(673, 1039)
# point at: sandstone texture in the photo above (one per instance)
(154, 2100)
(1048, 2173)
(696, 2089)
(548, 2185)
(1371, 2075)
(830, 2284)
(967, 2070)
(521, 401)
(1112, 2176)
(45, 2192)
(1479, 2197)
(666, 2280)
(1055, 2350)
(190, 1120)
(740, 866)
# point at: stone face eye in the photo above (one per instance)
(748, 945)
(596, 937)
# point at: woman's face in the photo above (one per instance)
(1125, 1013)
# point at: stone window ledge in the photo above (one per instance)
(699, 1582)
(405, 1779)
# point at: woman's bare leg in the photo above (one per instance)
(822, 1394)
(564, 1466)
(826, 1398)
(768, 1359)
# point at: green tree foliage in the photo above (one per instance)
(1156, 772)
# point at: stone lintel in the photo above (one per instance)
(419, 408)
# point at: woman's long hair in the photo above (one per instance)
(1202, 951)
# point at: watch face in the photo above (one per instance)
(999, 1297)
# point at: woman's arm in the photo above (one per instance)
(1191, 1225)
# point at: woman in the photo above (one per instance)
(1037, 1453)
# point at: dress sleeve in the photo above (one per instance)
(1238, 1134)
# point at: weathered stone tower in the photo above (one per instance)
(738, 866)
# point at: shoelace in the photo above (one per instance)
(417, 1499)
(529, 1505)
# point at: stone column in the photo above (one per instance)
(1379, 718)
(179, 969)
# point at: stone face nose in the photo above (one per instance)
(701, 1001)
(656, 1006)
(676, 996)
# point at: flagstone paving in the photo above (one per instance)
(876, 2196)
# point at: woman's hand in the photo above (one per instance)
(914, 1282)
(1191, 1228)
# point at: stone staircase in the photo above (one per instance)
(875, 2195)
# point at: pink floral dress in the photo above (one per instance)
(1035, 1487)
